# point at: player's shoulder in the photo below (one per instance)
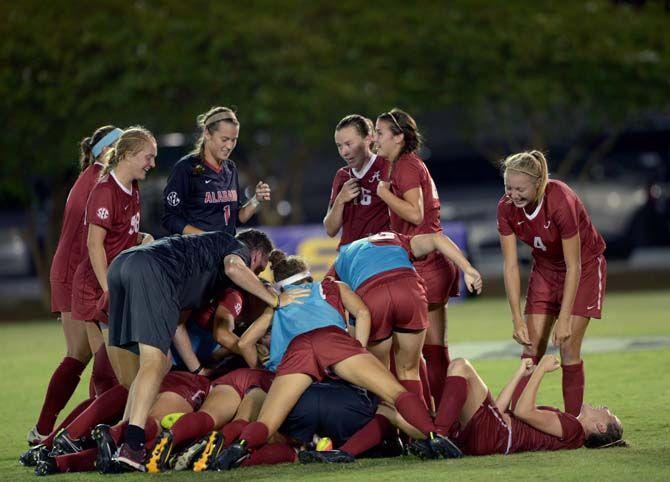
(559, 193)
(343, 173)
(505, 205)
(187, 163)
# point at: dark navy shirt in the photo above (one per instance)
(201, 196)
(192, 265)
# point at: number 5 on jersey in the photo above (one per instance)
(537, 243)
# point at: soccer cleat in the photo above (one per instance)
(158, 459)
(106, 449)
(422, 449)
(30, 457)
(34, 437)
(133, 459)
(232, 457)
(210, 452)
(64, 445)
(444, 447)
(393, 447)
(186, 459)
(325, 457)
(46, 466)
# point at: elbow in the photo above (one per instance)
(233, 271)
(330, 232)
(416, 218)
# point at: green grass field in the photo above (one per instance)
(635, 385)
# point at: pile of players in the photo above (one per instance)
(201, 365)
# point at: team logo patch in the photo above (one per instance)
(102, 213)
(173, 199)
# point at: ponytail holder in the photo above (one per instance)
(109, 139)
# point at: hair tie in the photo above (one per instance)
(226, 115)
(110, 138)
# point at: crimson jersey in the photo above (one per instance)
(528, 439)
(410, 172)
(71, 248)
(559, 215)
(230, 299)
(367, 214)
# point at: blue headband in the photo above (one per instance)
(109, 139)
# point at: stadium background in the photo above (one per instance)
(585, 81)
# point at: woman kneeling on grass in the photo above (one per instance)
(310, 342)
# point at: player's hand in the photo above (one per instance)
(562, 332)
(102, 308)
(526, 367)
(383, 187)
(549, 363)
(473, 280)
(520, 334)
(206, 372)
(293, 296)
(350, 190)
(263, 191)
(145, 238)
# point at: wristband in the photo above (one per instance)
(197, 370)
(254, 202)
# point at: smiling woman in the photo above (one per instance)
(203, 192)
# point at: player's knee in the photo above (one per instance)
(570, 354)
(459, 367)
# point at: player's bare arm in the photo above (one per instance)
(505, 397)
(526, 408)
(96, 251)
(573, 265)
(246, 345)
(409, 207)
(354, 305)
(424, 244)
(222, 329)
(513, 288)
(262, 193)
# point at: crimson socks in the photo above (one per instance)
(372, 434)
(191, 426)
(107, 408)
(102, 377)
(270, 454)
(63, 383)
(414, 411)
(455, 393)
(232, 431)
(437, 362)
(573, 387)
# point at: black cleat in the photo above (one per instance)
(46, 466)
(444, 447)
(34, 454)
(158, 459)
(212, 449)
(325, 457)
(64, 445)
(185, 459)
(106, 449)
(422, 449)
(230, 458)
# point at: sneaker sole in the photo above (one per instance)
(131, 464)
(208, 454)
(159, 455)
(104, 460)
(185, 460)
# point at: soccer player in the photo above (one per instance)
(309, 341)
(379, 268)
(354, 206)
(69, 253)
(480, 426)
(150, 286)
(568, 278)
(180, 392)
(414, 205)
(203, 191)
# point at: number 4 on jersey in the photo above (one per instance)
(537, 243)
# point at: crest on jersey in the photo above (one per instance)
(102, 213)
(173, 199)
(377, 176)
